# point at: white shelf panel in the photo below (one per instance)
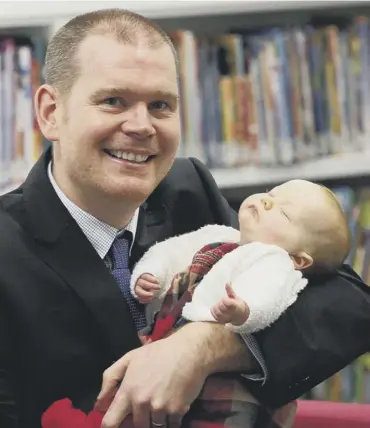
(349, 165)
(44, 13)
(337, 167)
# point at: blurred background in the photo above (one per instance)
(270, 90)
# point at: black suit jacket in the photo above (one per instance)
(63, 319)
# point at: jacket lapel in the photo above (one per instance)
(64, 247)
(154, 225)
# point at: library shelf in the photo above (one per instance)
(47, 13)
(349, 165)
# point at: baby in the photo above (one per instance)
(297, 226)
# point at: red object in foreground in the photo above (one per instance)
(310, 414)
(324, 414)
(62, 414)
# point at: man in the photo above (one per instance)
(110, 109)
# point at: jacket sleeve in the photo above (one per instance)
(8, 402)
(323, 331)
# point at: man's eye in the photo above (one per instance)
(113, 101)
(159, 105)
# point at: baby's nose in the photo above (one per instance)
(267, 203)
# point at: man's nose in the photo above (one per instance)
(267, 203)
(138, 122)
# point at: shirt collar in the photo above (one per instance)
(100, 234)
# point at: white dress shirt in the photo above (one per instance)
(100, 234)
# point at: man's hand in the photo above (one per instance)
(160, 382)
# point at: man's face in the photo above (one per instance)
(118, 131)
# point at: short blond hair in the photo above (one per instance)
(61, 68)
(330, 241)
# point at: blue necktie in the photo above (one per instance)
(122, 274)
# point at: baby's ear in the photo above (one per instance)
(301, 260)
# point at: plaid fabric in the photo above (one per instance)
(224, 401)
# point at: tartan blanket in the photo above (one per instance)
(224, 401)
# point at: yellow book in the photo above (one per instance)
(227, 108)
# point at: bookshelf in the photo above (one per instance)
(343, 163)
(41, 19)
(46, 13)
(349, 165)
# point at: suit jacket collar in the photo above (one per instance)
(62, 245)
(48, 217)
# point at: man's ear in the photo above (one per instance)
(302, 260)
(45, 104)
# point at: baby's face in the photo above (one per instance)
(281, 216)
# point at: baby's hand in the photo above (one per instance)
(146, 287)
(230, 309)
